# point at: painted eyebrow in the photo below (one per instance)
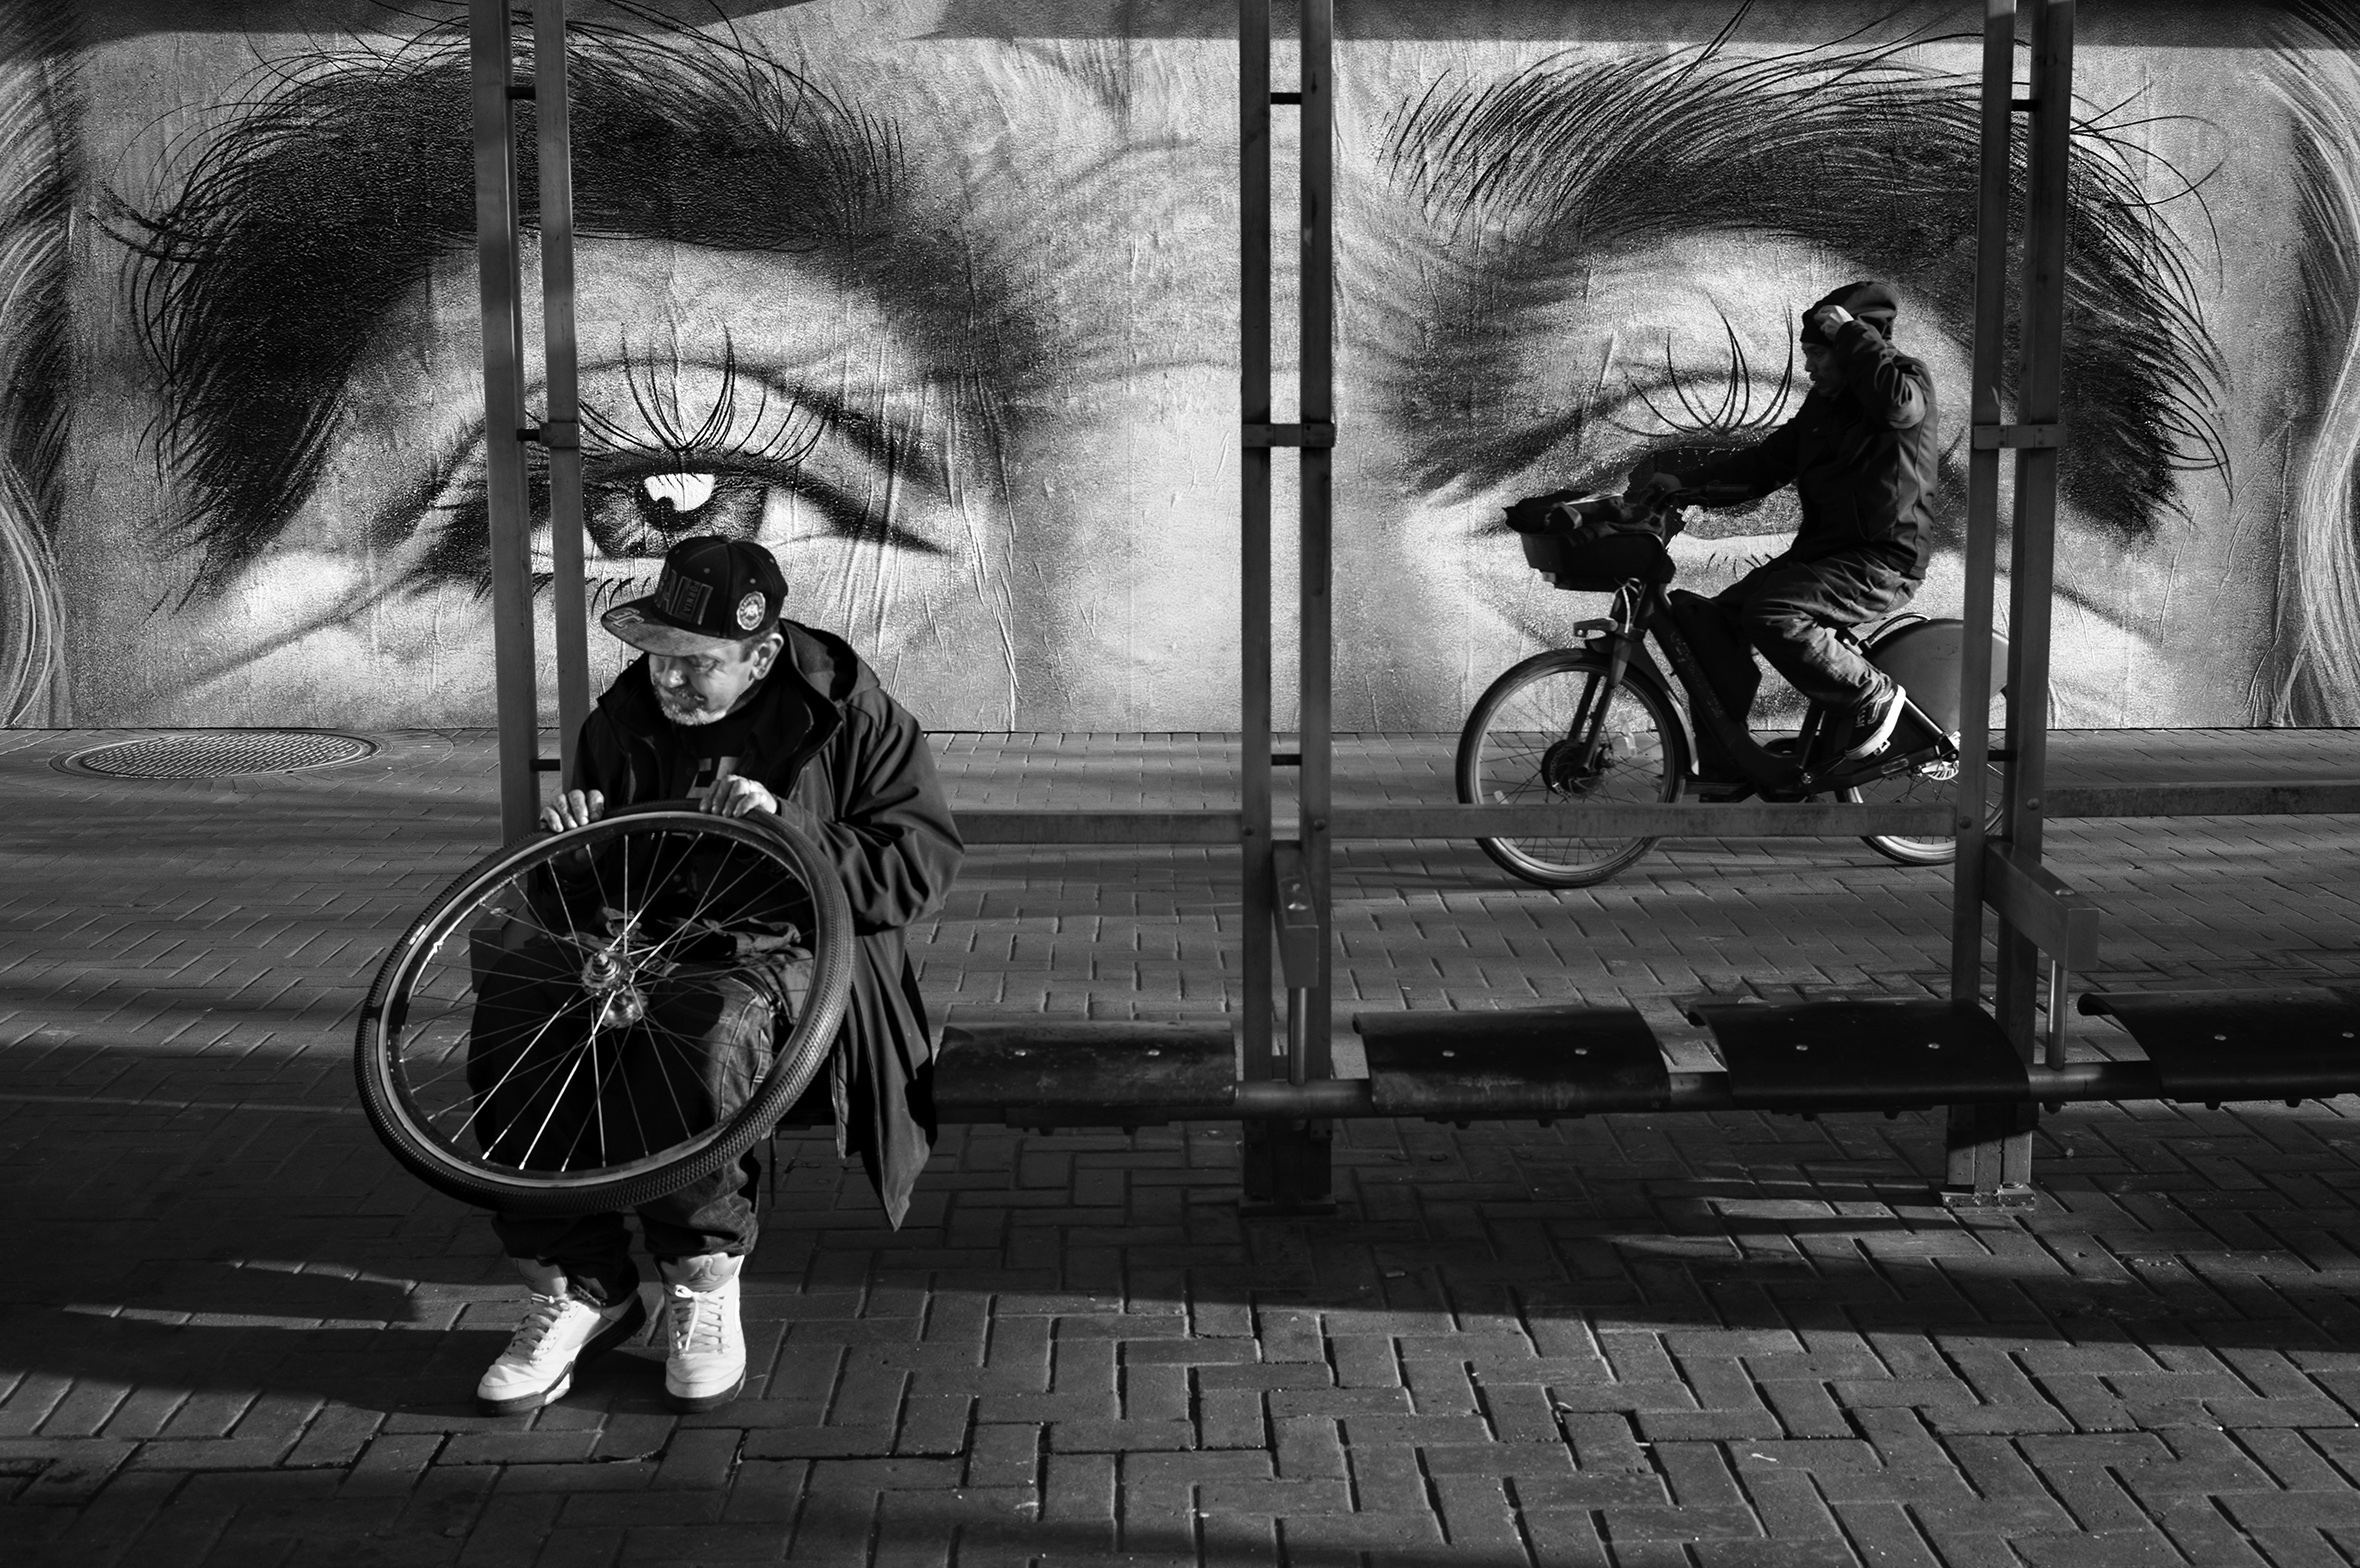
(1846, 147)
(326, 198)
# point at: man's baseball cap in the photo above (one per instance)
(715, 593)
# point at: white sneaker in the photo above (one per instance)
(706, 1365)
(558, 1333)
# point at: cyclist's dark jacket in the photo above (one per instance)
(1863, 461)
(828, 737)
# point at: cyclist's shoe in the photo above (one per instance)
(705, 1367)
(1873, 720)
(1717, 782)
(558, 1334)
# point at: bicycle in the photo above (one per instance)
(597, 1018)
(1598, 723)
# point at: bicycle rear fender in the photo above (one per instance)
(1923, 657)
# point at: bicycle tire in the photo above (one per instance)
(1495, 771)
(406, 1128)
(1925, 786)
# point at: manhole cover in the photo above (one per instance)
(218, 754)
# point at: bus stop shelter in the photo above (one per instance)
(1985, 1051)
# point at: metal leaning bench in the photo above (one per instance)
(1802, 1058)
(2290, 1044)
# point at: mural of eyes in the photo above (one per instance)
(677, 449)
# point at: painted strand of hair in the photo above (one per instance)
(2315, 676)
(1541, 173)
(328, 194)
(35, 210)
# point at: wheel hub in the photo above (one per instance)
(1562, 770)
(606, 977)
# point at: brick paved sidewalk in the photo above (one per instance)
(231, 1332)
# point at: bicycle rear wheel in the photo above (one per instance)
(1521, 747)
(598, 1018)
(1924, 656)
(1930, 784)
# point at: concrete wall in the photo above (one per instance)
(937, 301)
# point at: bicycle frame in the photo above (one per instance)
(1644, 610)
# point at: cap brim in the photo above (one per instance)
(636, 623)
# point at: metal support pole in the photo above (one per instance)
(561, 427)
(492, 72)
(1255, 931)
(1982, 543)
(2033, 568)
(1286, 1168)
(1990, 1151)
(1315, 380)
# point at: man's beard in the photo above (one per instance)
(684, 711)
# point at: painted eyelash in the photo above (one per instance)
(1734, 415)
(657, 402)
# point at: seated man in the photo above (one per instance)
(1862, 455)
(737, 708)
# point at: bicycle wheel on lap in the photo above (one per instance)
(1527, 743)
(600, 1017)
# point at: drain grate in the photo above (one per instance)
(218, 754)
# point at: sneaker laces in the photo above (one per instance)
(539, 1319)
(697, 1328)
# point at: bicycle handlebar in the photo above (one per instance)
(1541, 514)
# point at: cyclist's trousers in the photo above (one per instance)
(555, 1091)
(1786, 607)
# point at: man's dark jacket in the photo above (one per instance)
(826, 736)
(1863, 460)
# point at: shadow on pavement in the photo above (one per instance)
(190, 1223)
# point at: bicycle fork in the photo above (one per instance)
(1598, 697)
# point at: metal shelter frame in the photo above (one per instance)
(1286, 1090)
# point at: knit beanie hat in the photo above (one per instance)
(1869, 301)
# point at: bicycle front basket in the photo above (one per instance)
(1600, 563)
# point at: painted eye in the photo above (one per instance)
(782, 465)
(631, 516)
(682, 493)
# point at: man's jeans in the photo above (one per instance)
(545, 1103)
(1786, 608)
(715, 1214)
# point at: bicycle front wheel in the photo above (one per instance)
(1529, 742)
(600, 1017)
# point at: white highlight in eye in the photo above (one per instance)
(685, 492)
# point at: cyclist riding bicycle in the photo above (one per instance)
(1862, 454)
(737, 708)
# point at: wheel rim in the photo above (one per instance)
(1527, 756)
(548, 1027)
(1932, 784)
